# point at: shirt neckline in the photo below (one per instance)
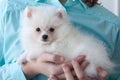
(68, 3)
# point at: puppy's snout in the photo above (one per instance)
(45, 37)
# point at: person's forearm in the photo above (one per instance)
(28, 71)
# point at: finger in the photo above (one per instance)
(53, 77)
(51, 58)
(51, 69)
(80, 58)
(102, 73)
(55, 69)
(84, 65)
(61, 76)
(69, 64)
(78, 70)
(67, 71)
(95, 79)
(98, 78)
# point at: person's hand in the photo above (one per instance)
(102, 74)
(80, 75)
(77, 73)
(46, 64)
(78, 63)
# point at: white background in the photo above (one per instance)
(112, 5)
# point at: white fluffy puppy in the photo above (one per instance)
(48, 29)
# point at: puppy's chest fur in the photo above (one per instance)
(69, 47)
(63, 48)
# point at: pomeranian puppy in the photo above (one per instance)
(48, 29)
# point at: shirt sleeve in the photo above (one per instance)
(8, 71)
(116, 56)
(11, 72)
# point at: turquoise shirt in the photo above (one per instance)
(96, 20)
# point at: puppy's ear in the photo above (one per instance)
(61, 13)
(28, 12)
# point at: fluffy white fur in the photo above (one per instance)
(64, 40)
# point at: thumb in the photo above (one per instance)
(53, 77)
(102, 73)
(51, 58)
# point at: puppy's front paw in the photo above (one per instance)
(31, 56)
(21, 60)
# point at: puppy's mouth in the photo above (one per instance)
(45, 42)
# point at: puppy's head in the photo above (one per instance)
(42, 24)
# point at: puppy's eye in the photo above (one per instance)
(51, 29)
(38, 29)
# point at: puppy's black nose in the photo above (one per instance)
(45, 37)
